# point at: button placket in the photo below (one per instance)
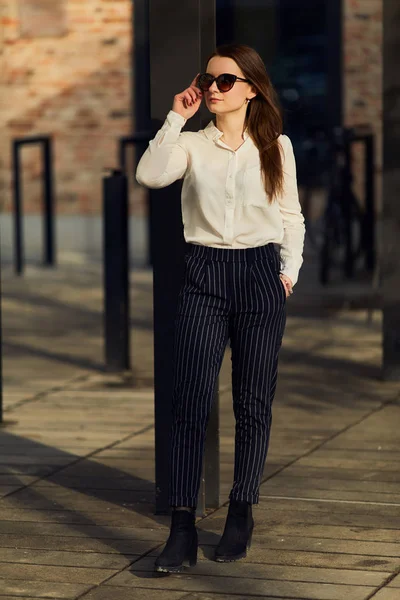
(230, 199)
(230, 185)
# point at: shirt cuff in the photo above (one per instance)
(175, 119)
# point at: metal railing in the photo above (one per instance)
(139, 138)
(45, 143)
(116, 259)
(142, 137)
(348, 224)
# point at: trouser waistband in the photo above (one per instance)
(231, 254)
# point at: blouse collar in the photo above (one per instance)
(213, 133)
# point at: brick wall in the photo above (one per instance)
(362, 51)
(74, 85)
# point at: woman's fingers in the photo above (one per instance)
(196, 90)
(188, 102)
(194, 82)
(287, 284)
(192, 94)
(188, 98)
(194, 86)
(191, 97)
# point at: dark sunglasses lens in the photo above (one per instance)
(225, 82)
(204, 82)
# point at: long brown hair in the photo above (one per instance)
(263, 117)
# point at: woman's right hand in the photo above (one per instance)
(188, 102)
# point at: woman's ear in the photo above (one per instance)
(253, 93)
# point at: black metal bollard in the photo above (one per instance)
(48, 201)
(116, 271)
(18, 233)
(370, 217)
(348, 224)
(48, 221)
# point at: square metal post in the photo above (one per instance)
(390, 265)
(48, 214)
(181, 37)
(116, 272)
(18, 231)
(370, 201)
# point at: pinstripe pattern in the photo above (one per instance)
(233, 294)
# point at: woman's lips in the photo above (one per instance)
(215, 100)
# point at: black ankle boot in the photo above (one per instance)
(181, 546)
(236, 539)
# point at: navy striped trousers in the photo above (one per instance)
(236, 295)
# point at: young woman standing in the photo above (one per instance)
(239, 198)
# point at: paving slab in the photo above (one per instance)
(136, 594)
(347, 463)
(218, 596)
(119, 517)
(21, 597)
(65, 559)
(287, 482)
(96, 483)
(72, 574)
(271, 517)
(5, 490)
(299, 504)
(81, 530)
(72, 499)
(308, 558)
(236, 585)
(360, 474)
(33, 470)
(338, 532)
(78, 544)
(395, 582)
(246, 569)
(386, 594)
(299, 543)
(334, 495)
(43, 589)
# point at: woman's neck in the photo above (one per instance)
(231, 125)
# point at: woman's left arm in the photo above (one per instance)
(293, 219)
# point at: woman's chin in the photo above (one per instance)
(213, 108)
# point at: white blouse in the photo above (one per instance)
(224, 203)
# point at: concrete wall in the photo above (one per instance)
(78, 238)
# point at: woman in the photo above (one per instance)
(239, 198)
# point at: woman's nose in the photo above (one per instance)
(213, 87)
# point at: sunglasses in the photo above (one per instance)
(225, 82)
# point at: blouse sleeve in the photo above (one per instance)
(293, 220)
(166, 158)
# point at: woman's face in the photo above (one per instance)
(224, 102)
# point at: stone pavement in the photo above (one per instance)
(76, 457)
